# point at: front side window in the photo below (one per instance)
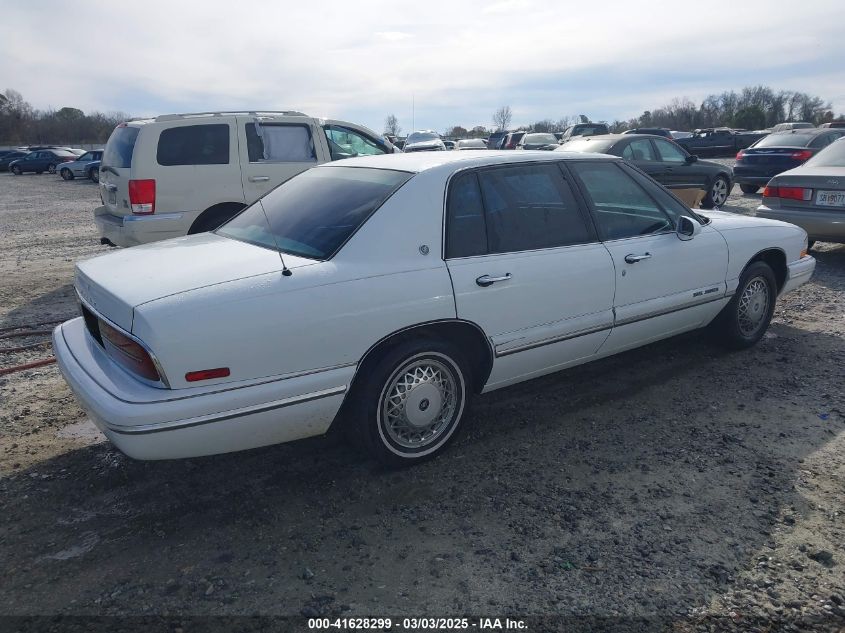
(530, 207)
(280, 142)
(670, 152)
(622, 208)
(313, 214)
(86, 157)
(346, 143)
(639, 150)
(194, 145)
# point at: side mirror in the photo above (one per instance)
(691, 159)
(688, 228)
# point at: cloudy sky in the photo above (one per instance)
(432, 63)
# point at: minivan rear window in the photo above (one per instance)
(194, 145)
(119, 148)
(313, 214)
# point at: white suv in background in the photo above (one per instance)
(179, 174)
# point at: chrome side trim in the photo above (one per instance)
(146, 429)
(657, 313)
(552, 340)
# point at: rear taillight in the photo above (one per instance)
(789, 193)
(127, 353)
(740, 154)
(142, 196)
(804, 154)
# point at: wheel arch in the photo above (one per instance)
(221, 208)
(465, 335)
(776, 259)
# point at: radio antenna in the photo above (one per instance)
(286, 272)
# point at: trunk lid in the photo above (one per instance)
(114, 284)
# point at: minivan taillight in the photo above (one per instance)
(142, 196)
(127, 353)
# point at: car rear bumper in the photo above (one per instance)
(131, 230)
(152, 423)
(798, 273)
(827, 226)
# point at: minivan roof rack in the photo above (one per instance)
(190, 115)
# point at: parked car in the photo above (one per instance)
(40, 161)
(93, 171)
(450, 145)
(654, 131)
(779, 152)
(833, 124)
(584, 129)
(792, 125)
(312, 311)
(180, 174)
(9, 156)
(494, 141)
(81, 166)
(424, 141)
(663, 160)
(811, 196)
(512, 139)
(715, 141)
(676, 134)
(538, 140)
(471, 143)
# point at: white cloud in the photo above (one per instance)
(393, 36)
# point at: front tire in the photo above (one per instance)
(17, 171)
(409, 406)
(749, 188)
(66, 174)
(718, 193)
(94, 175)
(746, 318)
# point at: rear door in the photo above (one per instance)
(274, 149)
(116, 167)
(527, 267)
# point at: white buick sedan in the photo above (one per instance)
(379, 293)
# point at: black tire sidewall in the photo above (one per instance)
(17, 171)
(731, 330)
(367, 399)
(749, 189)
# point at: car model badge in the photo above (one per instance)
(832, 181)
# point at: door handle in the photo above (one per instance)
(633, 259)
(259, 178)
(487, 280)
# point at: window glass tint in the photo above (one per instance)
(639, 150)
(622, 207)
(671, 205)
(670, 152)
(528, 208)
(466, 233)
(346, 143)
(586, 145)
(119, 148)
(280, 142)
(314, 213)
(785, 140)
(194, 145)
(831, 156)
(86, 157)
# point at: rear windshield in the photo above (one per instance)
(63, 153)
(119, 148)
(314, 213)
(419, 137)
(589, 130)
(831, 156)
(785, 140)
(586, 145)
(540, 138)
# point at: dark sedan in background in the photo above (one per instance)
(9, 155)
(664, 161)
(41, 161)
(779, 152)
(811, 196)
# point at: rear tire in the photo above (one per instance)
(747, 316)
(51, 168)
(718, 194)
(810, 244)
(749, 188)
(66, 174)
(409, 406)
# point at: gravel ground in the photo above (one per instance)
(677, 481)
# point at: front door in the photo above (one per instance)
(527, 267)
(680, 173)
(641, 153)
(664, 284)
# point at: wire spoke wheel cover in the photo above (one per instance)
(420, 404)
(753, 306)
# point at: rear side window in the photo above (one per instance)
(194, 145)
(280, 142)
(119, 148)
(466, 231)
(639, 150)
(314, 213)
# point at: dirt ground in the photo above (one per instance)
(678, 480)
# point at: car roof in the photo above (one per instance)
(417, 162)
(802, 131)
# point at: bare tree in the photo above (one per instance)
(502, 118)
(391, 125)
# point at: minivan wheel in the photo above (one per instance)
(67, 174)
(410, 405)
(51, 168)
(718, 194)
(747, 316)
(749, 188)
